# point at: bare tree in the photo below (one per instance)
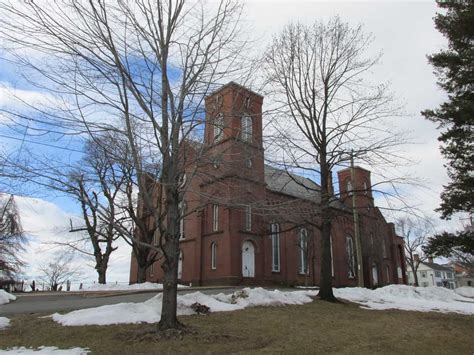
(58, 271)
(12, 239)
(316, 73)
(127, 64)
(415, 234)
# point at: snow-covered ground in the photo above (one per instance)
(6, 297)
(122, 287)
(408, 298)
(4, 322)
(45, 350)
(401, 297)
(150, 311)
(465, 291)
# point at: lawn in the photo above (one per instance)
(315, 327)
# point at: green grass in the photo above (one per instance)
(318, 327)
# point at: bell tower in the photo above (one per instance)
(233, 132)
(357, 182)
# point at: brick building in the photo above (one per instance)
(249, 223)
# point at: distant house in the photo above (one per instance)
(462, 275)
(431, 274)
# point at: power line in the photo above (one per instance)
(43, 144)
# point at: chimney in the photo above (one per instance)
(430, 259)
(416, 257)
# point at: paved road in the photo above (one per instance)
(57, 302)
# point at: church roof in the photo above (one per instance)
(281, 181)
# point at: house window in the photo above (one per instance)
(215, 218)
(182, 211)
(439, 284)
(248, 218)
(218, 127)
(303, 244)
(450, 275)
(423, 274)
(275, 235)
(350, 257)
(213, 255)
(384, 249)
(246, 128)
(387, 271)
(438, 273)
(366, 188)
(152, 269)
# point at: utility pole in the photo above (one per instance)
(360, 271)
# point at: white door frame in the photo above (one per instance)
(248, 259)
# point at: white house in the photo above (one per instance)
(431, 274)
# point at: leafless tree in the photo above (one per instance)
(127, 64)
(326, 112)
(12, 239)
(58, 271)
(415, 234)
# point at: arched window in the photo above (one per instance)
(215, 218)
(351, 262)
(218, 127)
(304, 250)
(246, 128)
(349, 187)
(366, 188)
(275, 235)
(248, 218)
(213, 255)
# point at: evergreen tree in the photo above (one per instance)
(455, 71)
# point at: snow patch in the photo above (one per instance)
(6, 297)
(150, 311)
(4, 322)
(45, 350)
(122, 287)
(465, 291)
(408, 298)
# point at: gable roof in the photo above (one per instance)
(437, 266)
(290, 184)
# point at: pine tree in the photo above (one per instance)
(455, 72)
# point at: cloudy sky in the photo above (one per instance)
(403, 30)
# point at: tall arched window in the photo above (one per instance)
(275, 235)
(304, 250)
(246, 128)
(213, 255)
(349, 187)
(218, 127)
(351, 262)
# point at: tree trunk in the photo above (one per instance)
(169, 318)
(415, 275)
(141, 274)
(102, 276)
(325, 287)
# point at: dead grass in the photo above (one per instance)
(318, 327)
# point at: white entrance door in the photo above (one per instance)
(248, 260)
(180, 265)
(375, 274)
